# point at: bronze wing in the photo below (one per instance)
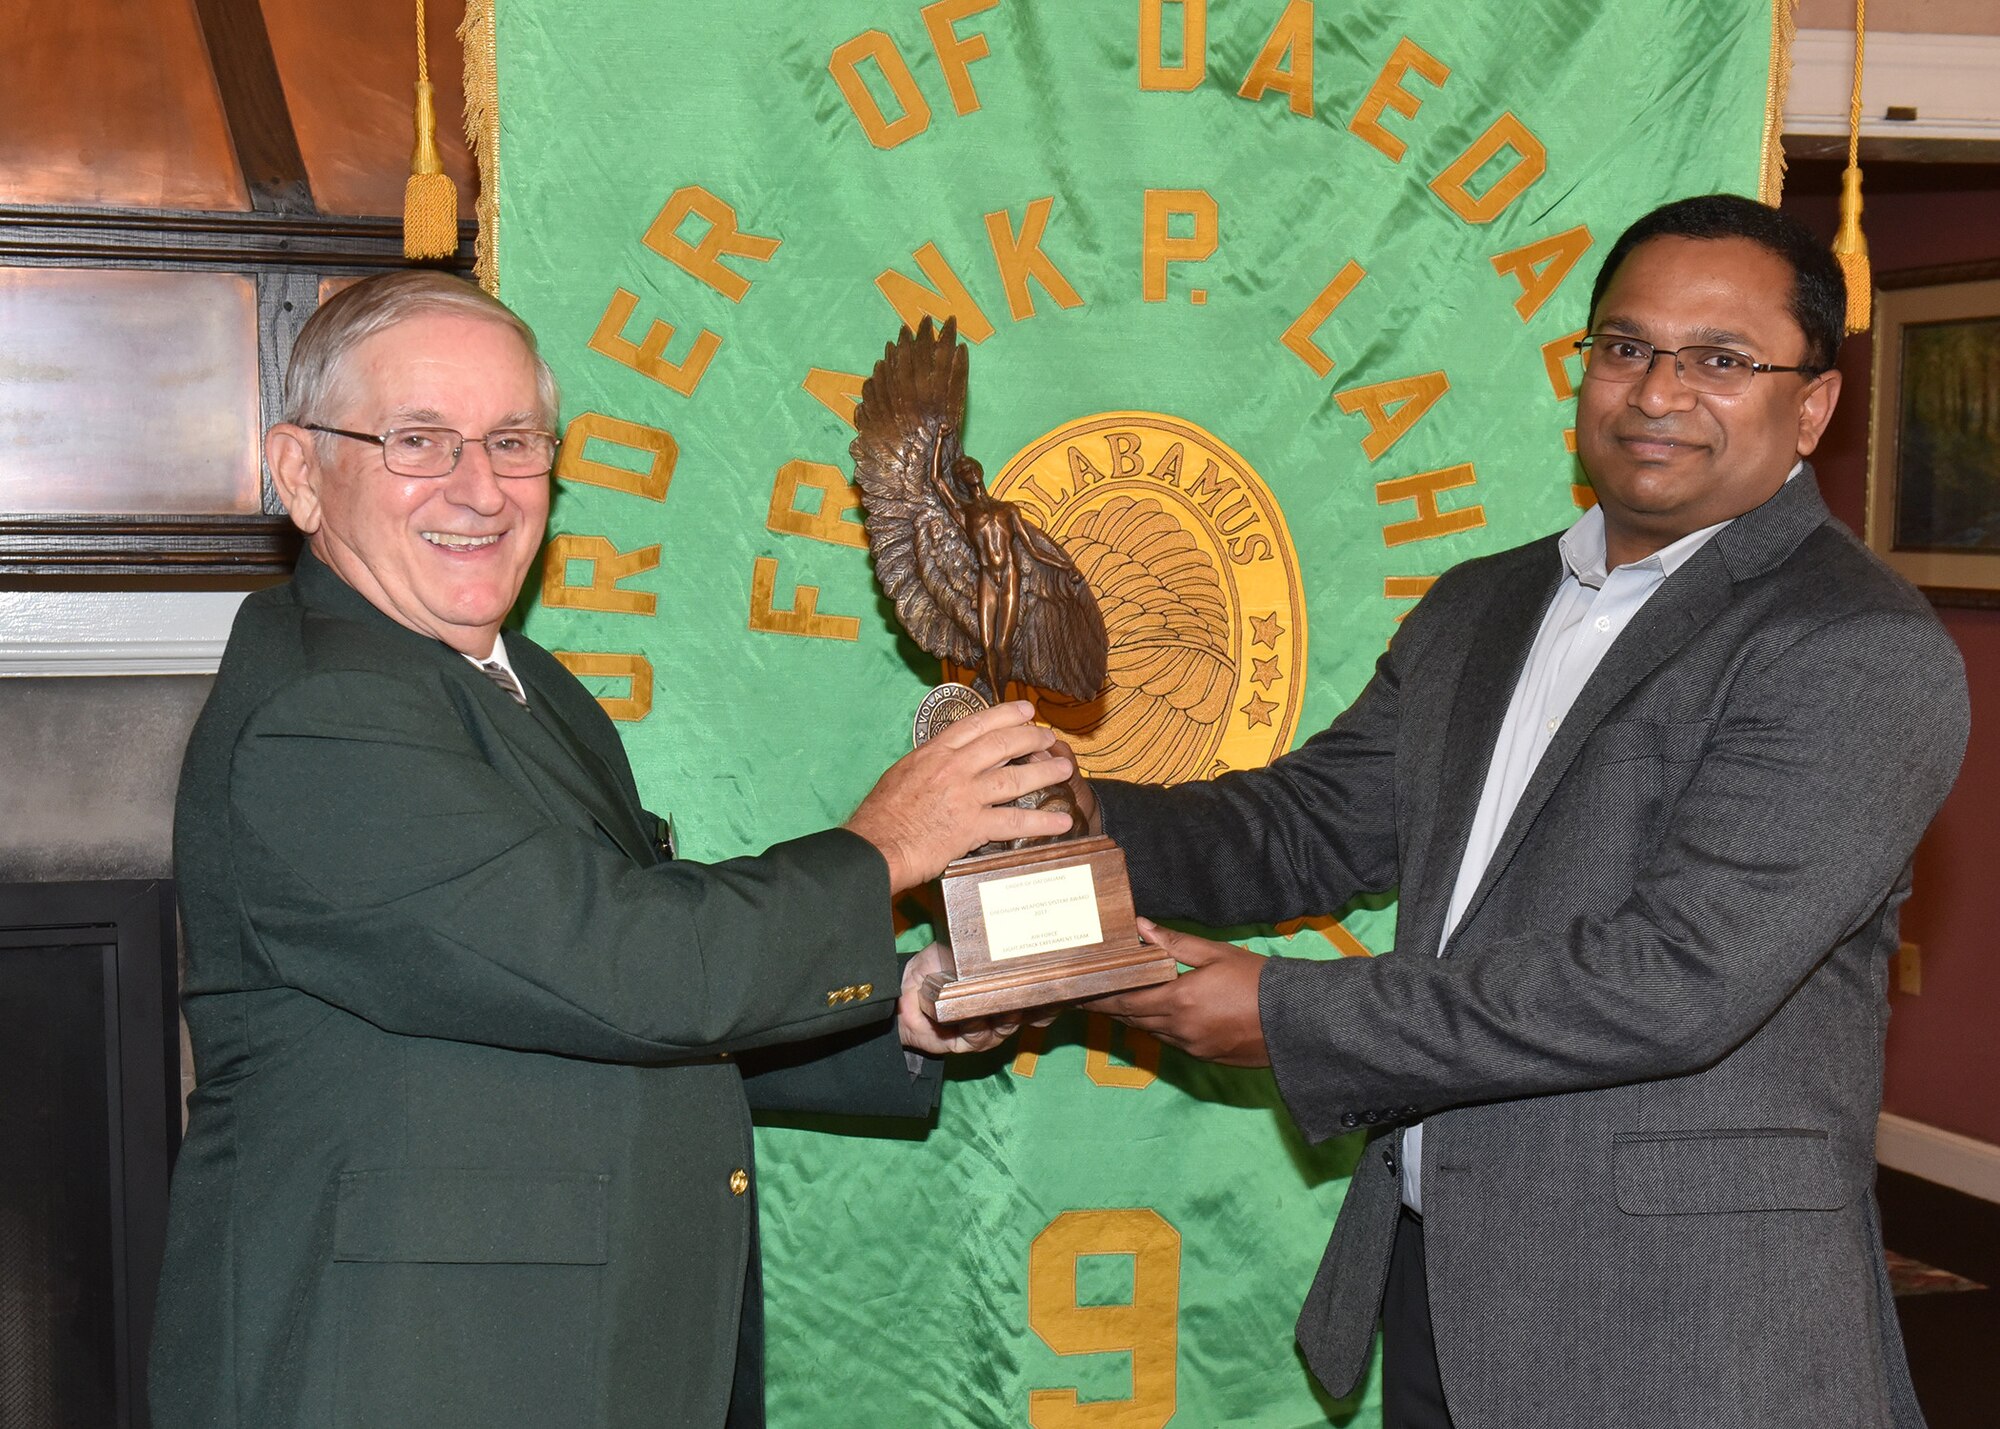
(1061, 644)
(906, 446)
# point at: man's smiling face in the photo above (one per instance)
(1665, 460)
(443, 555)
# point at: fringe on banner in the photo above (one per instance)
(430, 198)
(482, 134)
(1771, 171)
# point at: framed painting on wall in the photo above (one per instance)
(1934, 433)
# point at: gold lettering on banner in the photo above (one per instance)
(1154, 71)
(1541, 266)
(837, 499)
(1019, 257)
(723, 237)
(1298, 338)
(947, 297)
(1392, 407)
(1028, 1049)
(1430, 522)
(956, 52)
(803, 618)
(1286, 61)
(636, 669)
(647, 356)
(659, 447)
(1082, 473)
(1098, 1031)
(608, 566)
(1531, 161)
(838, 392)
(1160, 248)
(1349, 945)
(1125, 458)
(1146, 1326)
(882, 132)
(1407, 587)
(1325, 924)
(1205, 491)
(1387, 92)
(1557, 354)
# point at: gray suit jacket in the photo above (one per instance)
(1650, 1061)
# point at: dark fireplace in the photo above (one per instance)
(89, 1120)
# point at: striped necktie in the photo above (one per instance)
(500, 675)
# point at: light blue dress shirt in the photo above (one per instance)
(1591, 609)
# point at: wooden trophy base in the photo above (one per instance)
(1039, 926)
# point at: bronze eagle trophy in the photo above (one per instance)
(974, 581)
(980, 586)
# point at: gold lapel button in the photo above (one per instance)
(739, 1181)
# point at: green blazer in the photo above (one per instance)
(469, 1142)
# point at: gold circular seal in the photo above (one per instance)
(1195, 572)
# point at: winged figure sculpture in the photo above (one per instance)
(974, 581)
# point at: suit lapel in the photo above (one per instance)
(1687, 601)
(542, 737)
(1750, 546)
(1499, 647)
(538, 734)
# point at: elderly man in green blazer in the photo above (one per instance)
(470, 1141)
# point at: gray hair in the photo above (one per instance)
(356, 313)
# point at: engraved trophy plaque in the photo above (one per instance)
(979, 586)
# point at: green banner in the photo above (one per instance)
(1271, 306)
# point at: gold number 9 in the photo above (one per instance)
(1148, 1327)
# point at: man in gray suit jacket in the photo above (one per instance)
(1649, 791)
(470, 1139)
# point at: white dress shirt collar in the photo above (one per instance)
(1584, 555)
(499, 656)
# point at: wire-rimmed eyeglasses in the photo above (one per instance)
(434, 451)
(1719, 371)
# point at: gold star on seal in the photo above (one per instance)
(1259, 710)
(1265, 672)
(1266, 629)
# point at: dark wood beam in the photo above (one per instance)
(1892, 149)
(37, 548)
(1929, 277)
(253, 105)
(114, 238)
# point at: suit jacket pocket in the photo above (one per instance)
(1680, 1173)
(469, 1297)
(1670, 741)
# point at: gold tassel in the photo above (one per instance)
(1849, 245)
(1851, 248)
(430, 198)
